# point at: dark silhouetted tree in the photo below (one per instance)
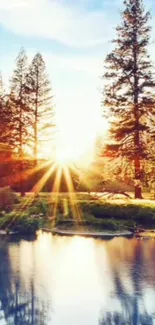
(5, 119)
(19, 103)
(128, 95)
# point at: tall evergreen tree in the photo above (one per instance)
(18, 101)
(41, 103)
(129, 87)
(5, 118)
(2, 113)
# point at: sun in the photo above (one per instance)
(67, 154)
(76, 136)
(75, 140)
(63, 158)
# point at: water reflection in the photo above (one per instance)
(19, 309)
(61, 281)
(134, 283)
(19, 303)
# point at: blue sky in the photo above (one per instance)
(74, 37)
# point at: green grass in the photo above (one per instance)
(121, 210)
(23, 224)
(112, 215)
(97, 215)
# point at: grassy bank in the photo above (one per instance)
(113, 215)
(28, 216)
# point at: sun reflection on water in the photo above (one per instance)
(83, 280)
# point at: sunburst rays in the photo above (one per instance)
(70, 204)
(35, 190)
(23, 175)
(72, 195)
(55, 190)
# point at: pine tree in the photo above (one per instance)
(41, 103)
(5, 118)
(2, 113)
(129, 87)
(18, 101)
(19, 104)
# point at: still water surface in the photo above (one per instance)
(66, 281)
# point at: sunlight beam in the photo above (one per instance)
(36, 189)
(72, 195)
(56, 188)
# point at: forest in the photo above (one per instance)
(125, 161)
(77, 165)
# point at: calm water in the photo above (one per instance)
(77, 281)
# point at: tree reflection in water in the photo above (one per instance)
(132, 309)
(18, 306)
(23, 309)
(47, 288)
(118, 319)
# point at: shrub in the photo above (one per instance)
(28, 225)
(39, 207)
(7, 199)
(23, 224)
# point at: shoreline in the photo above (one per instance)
(90, 234)
(103, 235)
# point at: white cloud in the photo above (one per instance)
(54, 20)
(67, 21)
(11, 4)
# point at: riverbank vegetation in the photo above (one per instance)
(27, 215)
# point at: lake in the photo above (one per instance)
(74, 280)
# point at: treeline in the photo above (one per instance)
(129, 97)
(27, 114)
(26, 110)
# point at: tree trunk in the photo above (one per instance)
(137, 161)
(35, 140)
(32, 305)
(36, 133)
(138, 188)
(36, 122)
(22, 192)
(138, 193)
